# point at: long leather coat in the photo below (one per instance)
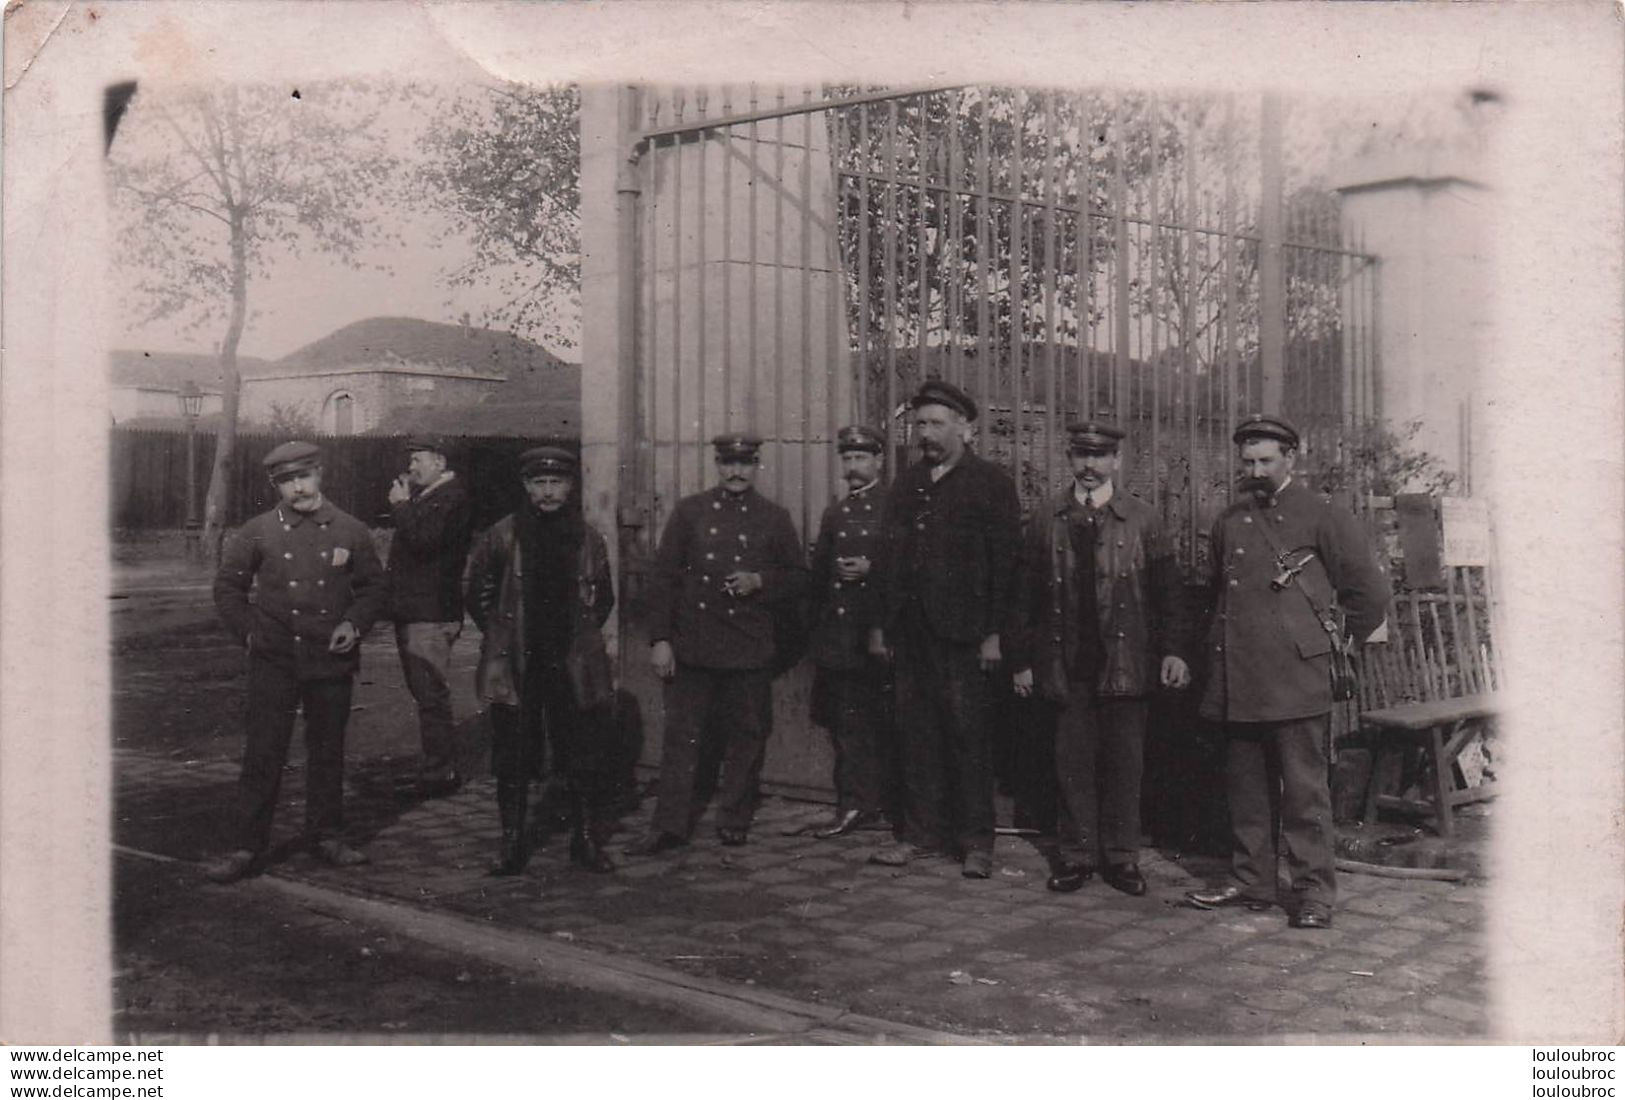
(496, 603)
(1269, 653)
(1136, 599)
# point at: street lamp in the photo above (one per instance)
(191, 399)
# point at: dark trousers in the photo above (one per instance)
(858, 709)
(425, 651)
(548, 722)
(1276, 771)
(1099, 760)
(275, 695)
(715, 718)
(944, 721)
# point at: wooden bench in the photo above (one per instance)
(1444, 728)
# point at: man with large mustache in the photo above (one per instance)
(1293, 576)
(950, 558)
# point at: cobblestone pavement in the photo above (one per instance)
(999, 958)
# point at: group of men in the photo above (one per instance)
(923, 603)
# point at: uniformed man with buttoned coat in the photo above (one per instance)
(852, 689)
(1293, 576)
(729, 561)
(318, 588)
(1100, 635)
(951, 551)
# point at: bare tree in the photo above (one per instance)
(504, 164)
(211, 185)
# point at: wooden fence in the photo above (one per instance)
(147, 483)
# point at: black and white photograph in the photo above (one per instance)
(687, 526)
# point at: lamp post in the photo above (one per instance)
(191, 400)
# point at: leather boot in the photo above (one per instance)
(514, 853)
(585, 850)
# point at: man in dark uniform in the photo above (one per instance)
(729, 558)
(1293, 576)
(433, 524)
(318, 588)
(949, 564)
(851, 688)
(539, 589)
(1099, 635)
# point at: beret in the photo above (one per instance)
(935, 391)
(860, 437)
(737, 445)
(1263, 426)
(546, 460)
(1092, 437)
(292, 457)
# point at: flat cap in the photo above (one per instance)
(547, 460)
(1095, 437)
(292, 457)
(860, 437)
(425, 443)
(934, 391)
(737, 446)
(1266, 426)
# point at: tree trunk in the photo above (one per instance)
(218, 501)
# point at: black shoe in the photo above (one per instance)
(978, 863)
(1312, 914)
(1224, 897)
(731, 838)
(439, 784)
(586, 852)
(849, 822)
(512, 855)
(1069, 877)
(654, 842)
(1125, 877)
(229, 868)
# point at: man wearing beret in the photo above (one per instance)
(539, 589)
(318, 588)
(1293, 576)
(950, 556)
(728, 560)
(1098, 636)
(851, 688)
(433, 525)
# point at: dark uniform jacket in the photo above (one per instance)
(496, 603)
(953, 545)
(843, 611)
(308, 572)
(1269, 654)
(426, 556)
(1136, 599)
(710, 535)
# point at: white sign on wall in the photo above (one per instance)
(1466, 523)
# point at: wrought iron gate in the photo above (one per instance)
(806, 258)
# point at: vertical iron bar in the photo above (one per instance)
(1192, 464)
(923, 198)
(1017, 297)
(1120, 298)
(984, 252)
(677, 433)
(779, 455)
(1052, 333)
(954, 283)
(1152, 361)
(702, 276)
(1086, 272)
(650, 350)
(1231, 273)
(806, 317)
(1272, 317)
(891, 257)
(834, 292)
(753, 180)
(727, 264)
(865, 214)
